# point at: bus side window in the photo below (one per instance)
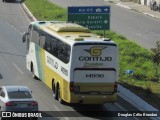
(29, 32)
(29, 36)
(42, 39)
(54, 47)
(48, 43)
(64, 52)
(35, 35)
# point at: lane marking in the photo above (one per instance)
(17, 68)
(124, 6)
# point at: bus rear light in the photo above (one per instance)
(71, 86)
(115, 87)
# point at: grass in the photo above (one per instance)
(131, 55)
(44, 10)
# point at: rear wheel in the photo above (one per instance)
(33, 72)
(56, 92)
(59, 96)
(55, 95)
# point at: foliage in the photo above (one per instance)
(45, 10)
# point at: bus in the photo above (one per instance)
(76, 64)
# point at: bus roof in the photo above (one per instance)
(70, 32)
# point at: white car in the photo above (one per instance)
(8, 0)
(17, 98)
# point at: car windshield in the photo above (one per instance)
(19, 94)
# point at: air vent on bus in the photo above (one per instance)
(99, 36)
(67, 36)
(42, 22)
(79, 39)
(84, 36)
(106, 39)
(68, 27)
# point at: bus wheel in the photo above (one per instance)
(33, 74)
(59, 96)
(56, 92)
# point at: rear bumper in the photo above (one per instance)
(93, 99)
(9, 109)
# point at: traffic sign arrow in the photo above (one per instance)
(106, 10)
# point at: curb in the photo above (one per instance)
(136, 101)
(150, 15)
(27, 11)
(124, 6)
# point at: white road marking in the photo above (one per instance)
(148, 14)
(124, 6)
(17, 68)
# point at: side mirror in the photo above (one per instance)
(24, 38)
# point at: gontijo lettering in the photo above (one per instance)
(87, 58)
(52, 62)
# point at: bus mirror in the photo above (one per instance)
(24, 38)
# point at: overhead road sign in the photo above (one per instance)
(93, 17)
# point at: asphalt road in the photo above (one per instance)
(140, 28)
(13, 22)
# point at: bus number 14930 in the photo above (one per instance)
(94, 75)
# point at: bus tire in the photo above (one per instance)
(54, 90)
(33, 74)
(56, 93)
(59, 97)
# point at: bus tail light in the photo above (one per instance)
(71, 86)
(116, 87)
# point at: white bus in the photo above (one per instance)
(79, 66)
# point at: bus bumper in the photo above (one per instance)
(93, 99)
